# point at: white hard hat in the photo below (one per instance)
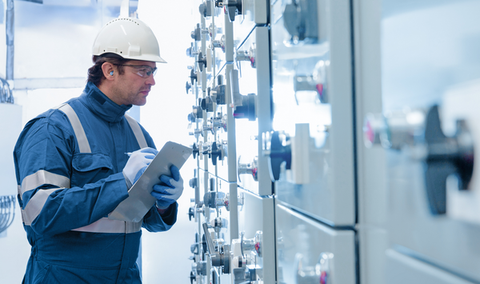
(130, 38)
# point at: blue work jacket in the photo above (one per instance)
(69, 163)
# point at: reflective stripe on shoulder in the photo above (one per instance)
(106, 225)
(137, 131)
(77, 128)
(35, 205)
(42, 177)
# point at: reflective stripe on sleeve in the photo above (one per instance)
(106, 225)
(42, 177)
(77, 128)
(35, 205)
(137, 131)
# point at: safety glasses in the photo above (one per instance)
(143, 71)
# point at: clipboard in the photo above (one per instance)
(140, 201)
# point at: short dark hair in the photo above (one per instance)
(95, 73)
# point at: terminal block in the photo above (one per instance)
(250, 168)
(300, 19)
(421, 134)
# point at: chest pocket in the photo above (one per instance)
(86, 166)
(89, 168)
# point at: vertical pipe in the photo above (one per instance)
(9, 26)
(204, 126)
(231, 143)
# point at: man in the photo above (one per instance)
(73, 169)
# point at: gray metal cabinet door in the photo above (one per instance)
(312, 85)
(301, 244)
(404, 269)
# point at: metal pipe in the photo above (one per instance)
(9, 28)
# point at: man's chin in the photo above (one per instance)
(140, 102)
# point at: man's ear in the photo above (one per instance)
(108, 70)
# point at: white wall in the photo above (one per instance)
(165, 255)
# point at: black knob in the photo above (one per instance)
(247, 109)
(202, 61)
(220, 90)
(300, 20)
(193, 76)
(279, 153)
(195, 150)
(196, 34)
(207, 104)
(234, 8)
(446, 156)
(215, 153)
(191, 213)
(192, 277)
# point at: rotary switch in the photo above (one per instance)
(443, 156)
(301, 21)
(196, 33)
(205, 8)
(277, 146)
(233, 8)
(446, 156)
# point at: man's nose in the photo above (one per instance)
(150, 80)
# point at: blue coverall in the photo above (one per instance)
(67, 187)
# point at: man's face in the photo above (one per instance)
(133, 86)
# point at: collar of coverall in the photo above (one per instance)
(101, 105)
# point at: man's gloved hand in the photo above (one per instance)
(169, 189)
(137, 163)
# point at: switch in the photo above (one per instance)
(219, 43)
(191, 52)
(446, 156)
(300, 19)
(248, 168)
(201, 61)
(205, 8)
(422, 133)
(233, 8)
(247, 108)
(247, 55)
(277, 146)
(196, 33)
